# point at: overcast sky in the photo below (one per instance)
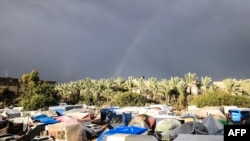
(68, 40)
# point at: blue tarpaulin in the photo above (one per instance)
(108, 113)
(134, 130)
(45, 119)
(126, 118)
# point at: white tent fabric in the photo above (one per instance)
(167, 124)
(128, 137)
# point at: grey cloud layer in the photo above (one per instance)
(71, 40)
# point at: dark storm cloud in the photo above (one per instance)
(71, 40)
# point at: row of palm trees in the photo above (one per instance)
(168, 91)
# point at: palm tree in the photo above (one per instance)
(63, 91)
(173, 88)
(130, 83)
(245, 86)
(109, 94)
(182, 99)
(120, 84)
(153, 87)
(96, 90)
(205, 81)
(232, 86)
(213, 88)
(164, 87)
(142, 86)
(174, 81)
(190, 80)
(86, 92)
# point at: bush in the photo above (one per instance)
(221, 98)
(130, 99)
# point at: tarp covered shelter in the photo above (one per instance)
(213, 125)
(108, 113)
(67, 131)
(126, 118)
(27, 136)
(25, 121)
(143, 120)
(11, 113)
(33, 132)
(127, 137)
(133, 130)
(216, 111)
(121, 119)
(167, 124)
(78, 115)
(164, 126)
(115, 121)
(191, 137)
(80, 110)
(65, 118)
(192, 127)
(3, 126)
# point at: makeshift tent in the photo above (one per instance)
(190, 137)
(11, 113)
(126, 118)
(115, 121)
(143, 120)
(78, 115)
(80, 110)
(65, 118)
(33, 132)
(127, 137)
(15, 128)
(120, 120)
(108, 113)
(49, 113)
(213, 125)
(133, 130)
(3, 126)
(25, 121)
(192, 127)
(3, 123)
(66, 131)
(166, 125)
(189, 116)
(63, 108)
(217, 112)
(26, 136)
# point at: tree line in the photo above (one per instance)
(177, 91)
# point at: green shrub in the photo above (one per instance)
(221, 98)
(130, 99)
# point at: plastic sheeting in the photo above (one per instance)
(66, 131)
(192, 127)
(167, 124)
(108, 113)
(65, 118)
(214, 126)
(133, 130)
(45, 119)
(125, 137)
(126, 118)
(143, 120)
(190, 137)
